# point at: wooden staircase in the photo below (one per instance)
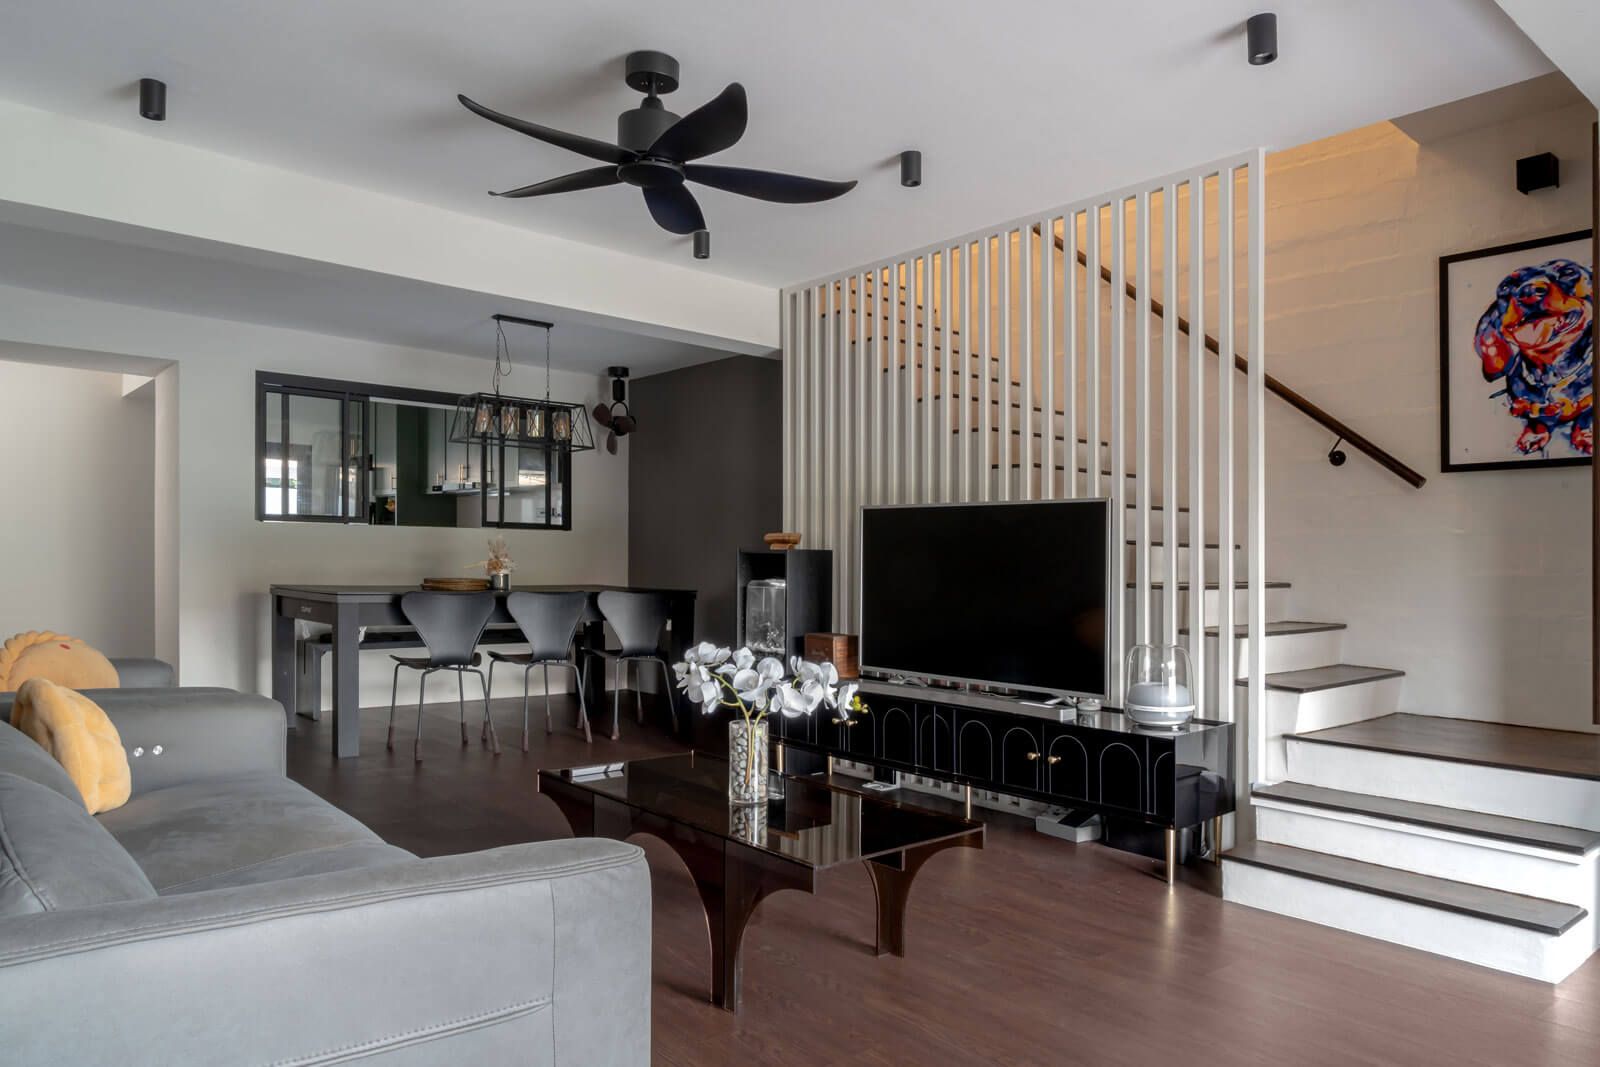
(1478, 841)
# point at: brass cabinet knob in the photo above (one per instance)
(837, 720)
(1033, 755)
(1052, 760)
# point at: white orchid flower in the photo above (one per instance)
(741, 660)
(788, 700)
(813, 693)
(752, 689)
(845, 698)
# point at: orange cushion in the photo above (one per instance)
(64, 660)
(77, 732)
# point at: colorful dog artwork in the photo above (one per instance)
(1532, 343)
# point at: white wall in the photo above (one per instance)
(225, 559)
(78, 481)
(1476, 585)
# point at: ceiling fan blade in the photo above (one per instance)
(674, 209)
(611, 443)
(567, 183)
(602, 413)
(766, 184)
(624, 425)
(572, 142)
(709, 128)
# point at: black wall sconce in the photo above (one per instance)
(911, 168)
(1261, 33)
(153, 99)
(1542, 171)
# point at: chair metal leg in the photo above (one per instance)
(416, 742)
(461, 703)
(488, 720)
(616, 703)
(672, 705)
(549, 727)
(483, 731)
(394, 691)
(638, 694)
(583, 711)
(525, 672)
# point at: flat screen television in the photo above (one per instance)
(1012, 595)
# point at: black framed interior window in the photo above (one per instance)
(347, 452)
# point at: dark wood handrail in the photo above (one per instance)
(1351, 436)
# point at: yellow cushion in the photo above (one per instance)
(75, 730)
(64, 660)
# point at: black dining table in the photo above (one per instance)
(346, 609)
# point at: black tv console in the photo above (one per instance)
(1100, 761)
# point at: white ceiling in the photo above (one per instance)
(1569, 33)
(1016, 106)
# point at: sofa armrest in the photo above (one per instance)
(135, 672)
(533, 954)
(190, 734)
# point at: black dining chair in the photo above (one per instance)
(549, 621)
(638, 619)
(450, 625)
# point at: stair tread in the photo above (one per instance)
(1563, 753)
(1494, 905)
(1279, 628)
(1331, 676)
(1566, 839)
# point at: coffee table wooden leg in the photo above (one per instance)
(891, 883)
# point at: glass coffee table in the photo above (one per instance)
(738, 855)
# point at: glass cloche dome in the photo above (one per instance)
(1158, 687)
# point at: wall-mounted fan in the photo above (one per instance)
(655, 147)
(616, 416)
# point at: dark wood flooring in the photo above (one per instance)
(1563, 752)
(1032, 951)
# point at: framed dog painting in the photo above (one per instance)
(1516, 355)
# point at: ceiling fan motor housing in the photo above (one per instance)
(638, 129)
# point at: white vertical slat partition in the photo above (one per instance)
(918, 378)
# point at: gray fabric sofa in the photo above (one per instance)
(227, 915)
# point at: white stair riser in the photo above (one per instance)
(1286, 652)
(1277, 603)
(1496, 790)
(1437, 853)
(1013, 477)
(1489, 944)
(1158, 557)
(1303, 713)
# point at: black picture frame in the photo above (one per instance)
(1446, 264)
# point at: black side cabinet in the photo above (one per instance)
(1167, 780)
(808, 573)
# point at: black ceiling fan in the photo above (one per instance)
(616, 416)
(655, 149)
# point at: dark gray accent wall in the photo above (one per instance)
(705, 479)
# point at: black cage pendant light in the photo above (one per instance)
(494, 418)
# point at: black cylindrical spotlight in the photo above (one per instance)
(911, 168)
(1261, 31)
(702, 244)
(153, 99)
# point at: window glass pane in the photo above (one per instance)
(314, 455)
(524, 490)
(272, 454)
(355, 458)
